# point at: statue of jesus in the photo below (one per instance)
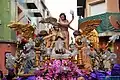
(64, 24)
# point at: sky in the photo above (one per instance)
(64, 6)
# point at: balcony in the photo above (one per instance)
(32, 7)
(31, 4)
(34, 13)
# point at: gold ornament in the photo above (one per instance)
(89, 26)
(25, 30)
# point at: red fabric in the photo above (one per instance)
(24, 40)
(17, 33)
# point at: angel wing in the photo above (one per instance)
(15, 26)
(50, 20)
(26, 30)
(89, 25)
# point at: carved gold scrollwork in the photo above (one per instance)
(25, 30)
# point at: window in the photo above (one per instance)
(98, 8)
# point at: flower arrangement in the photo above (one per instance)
(58, 70)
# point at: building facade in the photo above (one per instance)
(33, 11)
(86, 8)
(96, 7)
(7, 36)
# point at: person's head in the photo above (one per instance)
(56, 28)
(62, 16)
(43, 33)
(76, 33)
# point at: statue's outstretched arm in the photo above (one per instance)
(71, 20)
(71, 28)
(46, 37)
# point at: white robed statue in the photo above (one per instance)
(59, 51)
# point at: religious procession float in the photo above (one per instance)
(47, 56)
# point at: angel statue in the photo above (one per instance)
(81, 43)
(83, 39)
(41, 45)
(54, 32)
(23, 32)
